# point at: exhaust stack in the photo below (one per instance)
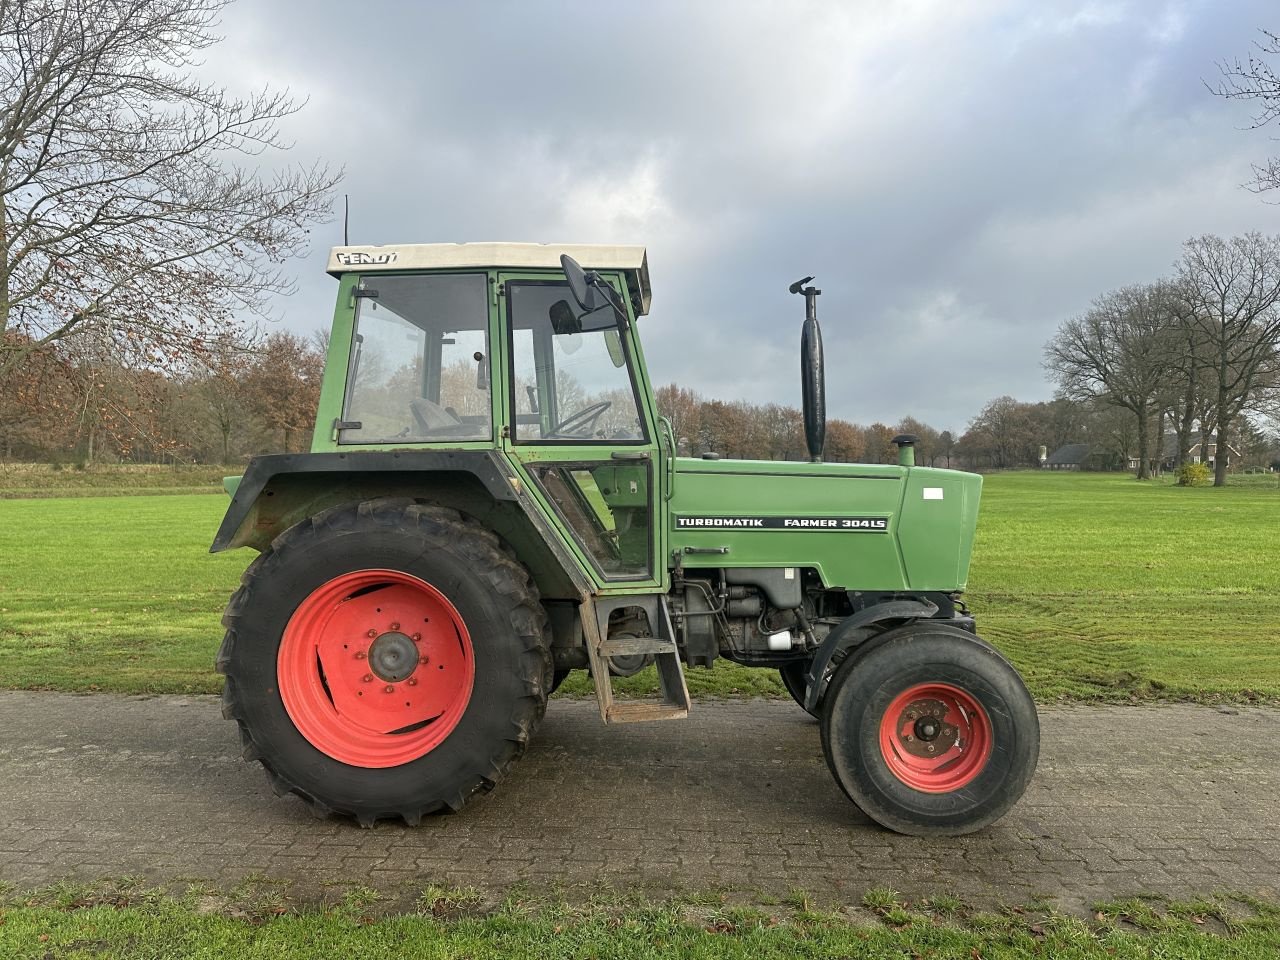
(813, 387)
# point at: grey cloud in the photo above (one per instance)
(960, 177)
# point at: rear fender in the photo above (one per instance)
(279, 491)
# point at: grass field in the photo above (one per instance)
(24, 480)
(1098, 587)
(135, 922)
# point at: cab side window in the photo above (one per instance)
(420, 360)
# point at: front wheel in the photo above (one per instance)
(930, 731)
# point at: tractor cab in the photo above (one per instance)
(418, 330)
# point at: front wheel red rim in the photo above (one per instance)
(935, 737)
(375, 668)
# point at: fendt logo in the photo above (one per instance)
(366, 259)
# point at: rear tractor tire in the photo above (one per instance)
(385, 659)
(930, 731)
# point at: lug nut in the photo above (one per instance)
(412, 682)
(368, 678)
(372, 633)
(422, 659)
(929, 747)
(360, 654)
(417, 637)
(388, 689)
(910, 738)
(396, 625)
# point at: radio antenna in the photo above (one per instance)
(346, 218)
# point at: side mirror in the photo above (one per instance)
(613, 343)
(581, 289)
(592, 294)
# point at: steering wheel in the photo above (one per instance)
(585, 417)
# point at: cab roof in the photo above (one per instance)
(631, 260)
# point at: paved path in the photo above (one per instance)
(1173, 799)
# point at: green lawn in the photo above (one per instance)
(113, 593)
(23, 480)
(136, 923)
(1097, 586)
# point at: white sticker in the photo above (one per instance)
(933, 493)
(788, 573)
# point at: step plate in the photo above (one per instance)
(641, 712)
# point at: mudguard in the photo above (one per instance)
(850, 633)
(482, 464)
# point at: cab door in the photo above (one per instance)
(582, 431)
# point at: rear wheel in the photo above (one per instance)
(385, 659)
(793, 678)
(930, 731)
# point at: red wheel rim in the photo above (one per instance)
(375, 668)
(935, 737)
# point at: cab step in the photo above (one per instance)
(673, 702)
(640, 712)
(633, 646)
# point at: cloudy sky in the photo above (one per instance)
(959, 176)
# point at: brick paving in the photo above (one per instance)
(1172, 800)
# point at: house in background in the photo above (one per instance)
(1074, 456)
(1199, 453)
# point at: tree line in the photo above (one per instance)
(1197, 351)
(771, 431)
(65, 404)
(237, 401)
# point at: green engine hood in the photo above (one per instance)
(861, 526)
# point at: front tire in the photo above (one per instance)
(385, 659)
(930, 731)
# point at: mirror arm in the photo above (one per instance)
(611, 295)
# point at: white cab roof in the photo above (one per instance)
(631, 260)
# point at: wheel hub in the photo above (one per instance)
(927, 729)
(935, 737)
(375, 668)
(924, 730)
(393, 657)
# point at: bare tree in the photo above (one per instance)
(844, 442)
(132, 209)
(1120, 351)
(1191, 381)
(281, 385)
(38, 403)
(946, 445)
(1255, 80)
(681, 406)
(1230, 292)
(218, 392)
(926, 440)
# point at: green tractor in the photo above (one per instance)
(492, 500)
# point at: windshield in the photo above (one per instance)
(570, 382)
(420, 360)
